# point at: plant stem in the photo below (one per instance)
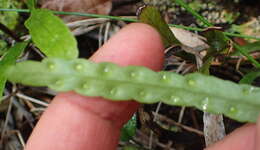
(208, 24)
(186, 28)
(194, 13)
(128, 20)
(245, 53)
(95, 16)
(6, 30)
(241, 36)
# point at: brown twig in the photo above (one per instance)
(161, 117)
(194, 119)
(9, 32)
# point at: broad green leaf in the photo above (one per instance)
(150, 15)
(217, 40)
(51, 35)
(10, 19)
(250, 77)
(9, 59)
(207, 93)
(31, 4)
(128, 130)
(218, 44)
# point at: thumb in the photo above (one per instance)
(243, 138)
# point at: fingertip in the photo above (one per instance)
(240, 139)
(136, 44)
(257, 144)
(95, 120)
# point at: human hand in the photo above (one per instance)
(75, 122)
(244, 138)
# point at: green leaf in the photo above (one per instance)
(8, 60)
(218, 44)
(217, 40)
(251, 47)
(31, 4)
(128, 130)
(206, 65)
(250, 77)
(10, 19)
(51, 35)
(113, 82)
(151, 16)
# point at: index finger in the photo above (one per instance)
(77, 122)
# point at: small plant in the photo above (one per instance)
(110, 81)
(63, 71)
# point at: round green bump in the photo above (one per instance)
(142, 93)
(78, 67)
(205, 104)
(113, 91)
(232, 109)
(59, 82)
(106, 70)
(175, 99)
(51, 66)
(85, 86)
(191, 82)
(251, 90)
(133, 74)
(246, 91)
(164, 77)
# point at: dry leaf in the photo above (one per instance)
(190, 39)
(84, 6)
(191, 43)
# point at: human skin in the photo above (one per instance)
(75, 122)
